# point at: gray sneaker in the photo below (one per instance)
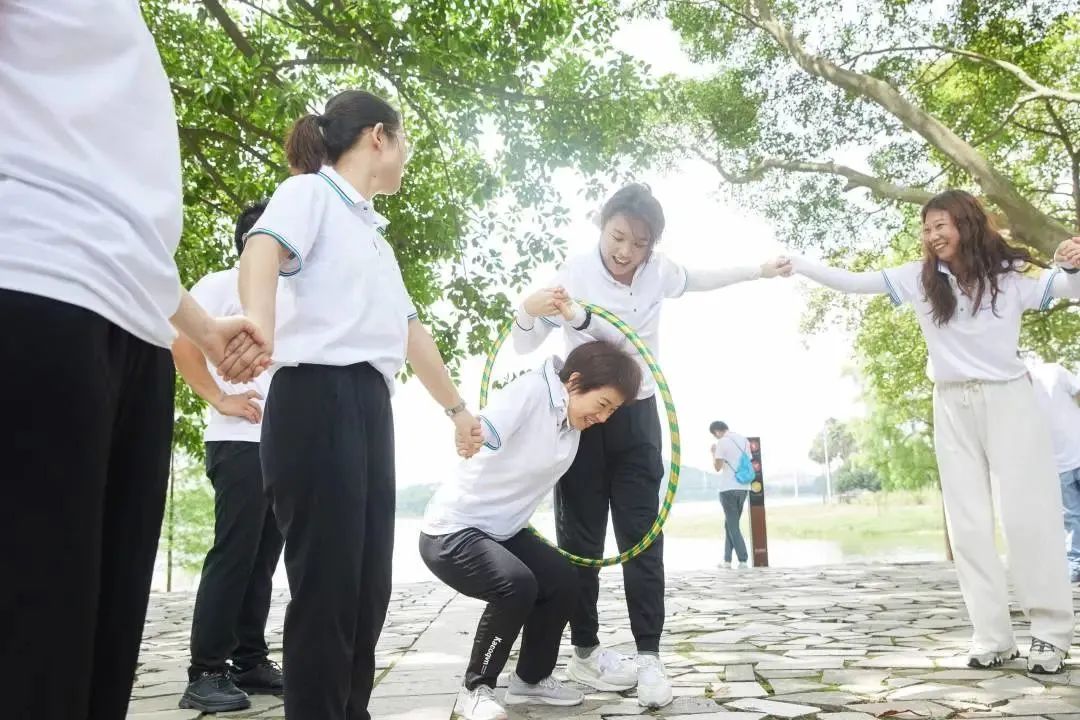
(548, 691)
(986, 659)
(1044, 658)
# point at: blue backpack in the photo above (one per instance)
(744, 472)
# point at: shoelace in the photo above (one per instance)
(612, 660)
(549, 683)
(1042, 646)
(219, 677)
(483, 692)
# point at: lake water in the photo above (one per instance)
(679, 553)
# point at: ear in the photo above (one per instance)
(378, 135)
(572, 383)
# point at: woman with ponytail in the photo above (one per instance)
(328, 434)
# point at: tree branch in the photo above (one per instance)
(212, 172)
(1027, 222)
(231, 29)
(1037, 88)
(196, 133)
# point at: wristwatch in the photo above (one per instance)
(459, 408)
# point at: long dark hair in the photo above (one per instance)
(318, 139)
(983, 256)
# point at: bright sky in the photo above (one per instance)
(735, 354)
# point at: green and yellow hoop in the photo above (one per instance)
(673, 425)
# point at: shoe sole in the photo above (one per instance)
(1039, 669)
(189, 703)
(996, 662)
(512, 699)
(596, 684)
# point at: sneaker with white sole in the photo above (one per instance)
(1045, 659)
(548, 691)
(480, 704)
(986, 659)
(605, 670)
(653, 686)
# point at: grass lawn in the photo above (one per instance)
(867, 526)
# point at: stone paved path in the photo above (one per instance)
(833, 643)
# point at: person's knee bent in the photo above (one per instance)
(518, 589)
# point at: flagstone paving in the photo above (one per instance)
(850, 642)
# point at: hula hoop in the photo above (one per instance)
(673, 425)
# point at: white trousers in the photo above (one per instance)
(992, 443)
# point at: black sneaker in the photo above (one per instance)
(262, 679)
(214, 691)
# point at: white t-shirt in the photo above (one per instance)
(976, 344)
(728, 450)
(219, 294)
(90, 194)
(351, 305)
(585, 277)
(528, 445)
(1056, 389)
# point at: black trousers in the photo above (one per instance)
(328, 464)
(233, 601)
(526, 585)
(618, 466)
(85, 437)
(732, 502)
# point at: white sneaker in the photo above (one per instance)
(548, 691)
(744, 565)
(986, 659)
(653, 687)
(480, 704)
(1044, 658)
(603, 670)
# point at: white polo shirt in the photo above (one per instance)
(528, 445)
(728, 450)
(90, 193)
(219, 294)
(638, 304)
(351, 305)
(977, 343)
(1056, 389)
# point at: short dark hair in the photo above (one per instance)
(245, 221)
(717, 426)
(602, 364)
(318, 139)
(636, 200)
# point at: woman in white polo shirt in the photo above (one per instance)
(619, 465)
(969, 293)
(475, 536)
(90, 215)
(328, 433)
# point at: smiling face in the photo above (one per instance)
(940, 236)
(595, 406)
(625, 243)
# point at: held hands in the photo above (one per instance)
(546, 302)
(237, 347)
(1068, 253)
(781, 266)
(468, 437)
(242, 405)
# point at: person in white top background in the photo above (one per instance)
(90, 215)
(991, 439)
(727, 452)
(619, 464)
(475, 535)
(229, 654)
(328, 432)
(1058, 391)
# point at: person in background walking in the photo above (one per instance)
(728, 449)
(1057, 391)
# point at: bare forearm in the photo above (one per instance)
(191, 365)
(426, 361)
(258, 280)
(706, 280)
(190, 319)
(866, 283)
